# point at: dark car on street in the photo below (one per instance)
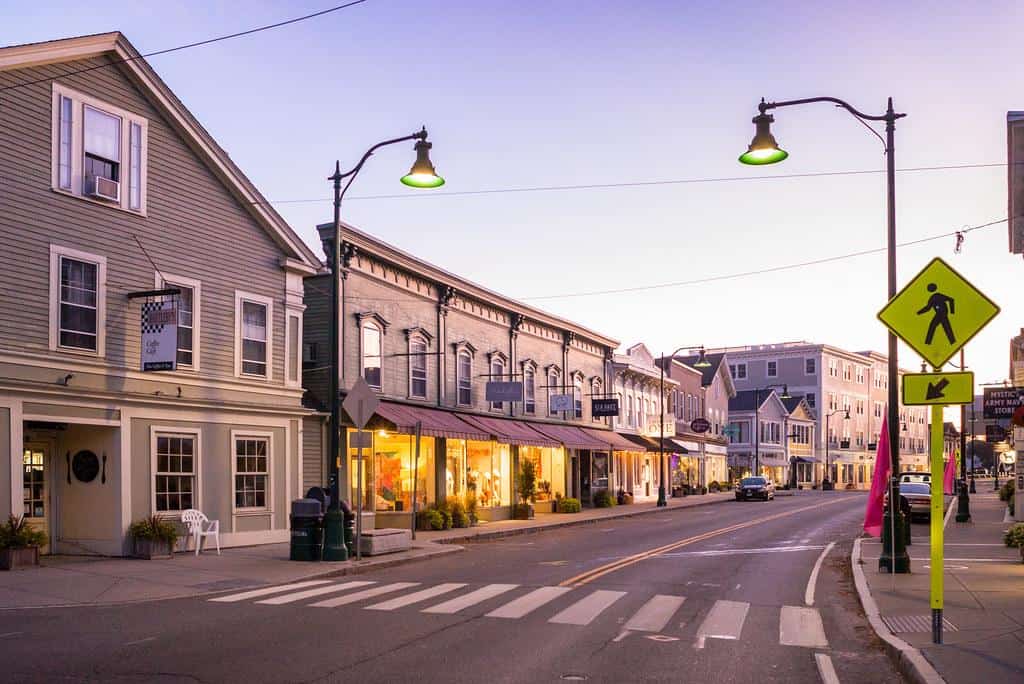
(755, 488)
(919, 497)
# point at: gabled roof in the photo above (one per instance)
(707, 374)
(744, 400)
(132, 64)
(794, 403)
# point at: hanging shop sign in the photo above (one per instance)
(496, 391)
(604, 408)
(159, 335)
(560, 402)
(1001, 402)
(700, 425)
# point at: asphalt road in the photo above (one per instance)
(716, 593)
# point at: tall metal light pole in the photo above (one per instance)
(702, 362)
(826, 482)
(963, 499)
(421, 175)
(764, 150)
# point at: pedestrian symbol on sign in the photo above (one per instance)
(943, 307)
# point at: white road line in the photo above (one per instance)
(470, 599)
(813, 579)
(588, 608)
(799, 626)
(825, 668)
(269, 590)
(310, 593)
(655, 614)
(734, 552)
(528, 603)
(364, 594)
(140, 641)
(9, 634)
(724, 621)
(416, 597)
(949, 514)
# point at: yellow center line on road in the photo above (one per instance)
(601, 571)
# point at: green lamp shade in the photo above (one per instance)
(422, 173)
(763, 148)
(702, 361)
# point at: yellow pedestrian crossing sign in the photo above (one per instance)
(921, 389)
(938, 312)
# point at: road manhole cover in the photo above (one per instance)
(914, 623)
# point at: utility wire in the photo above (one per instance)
(165, 51)
(761, 271)
(640, 184)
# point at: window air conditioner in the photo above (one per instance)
(103, 188)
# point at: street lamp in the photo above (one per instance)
(757, 427)
(765, 150)
(421, 175)
(826, 483)
(702, 362)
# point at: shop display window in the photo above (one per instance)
(388, 471)
(550, 466)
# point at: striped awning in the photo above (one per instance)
(402, 418)
(509, 431)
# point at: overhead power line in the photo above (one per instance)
(641, 184)
(208, 41)
(762, 271)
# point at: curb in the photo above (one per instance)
(909, 661)
(499, 534)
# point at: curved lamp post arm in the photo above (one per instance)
(890, 115)
(337, 176)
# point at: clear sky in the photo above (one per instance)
(533, 93)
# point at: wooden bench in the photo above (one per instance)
(386, 540)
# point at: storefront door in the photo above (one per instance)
(36, 482)
(585, 477)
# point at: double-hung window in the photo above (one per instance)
(529, 391)
(253, 353)
(773, 369)
(418, 367)
(77, 300)
(188, 301)
(577, 396)
(464, 378)
(554, 381)
(99, 151)
(252, 471)
(497, 375)
(174, 482)
(372, 341)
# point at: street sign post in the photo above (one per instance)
(935, 450)
(922, 389)
(360, 404)
(938, 312)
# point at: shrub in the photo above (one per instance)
(16, 533)
(1015, 536)
(526, 481)
(471, 509)
(568, 505)
(603, 499)
(430, 519)
(443, 508)
(1006, 491)
(154, 528)
(713, 486)
(459, 516)
(521, 511)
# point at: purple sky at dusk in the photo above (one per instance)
(529, 94)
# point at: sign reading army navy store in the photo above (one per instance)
(159, 336)
(938, 312)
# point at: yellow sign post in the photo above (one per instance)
(923, 389)
(938, 312)
(935, 450)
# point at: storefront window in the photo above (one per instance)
(550, 466)
(488, 475)
(600, 470)
(388, 470)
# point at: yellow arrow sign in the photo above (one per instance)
(938, 312)
(920, 389)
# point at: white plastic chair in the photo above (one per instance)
(200, 526)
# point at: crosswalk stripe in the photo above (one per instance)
(309, 593)
(266, 591)
(416, 597)
(655, 614)
(800, 626)
(364, 594)
(588, 608)
(470, 599)
(528, 603)
(724, 621)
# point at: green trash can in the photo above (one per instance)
(306, 530)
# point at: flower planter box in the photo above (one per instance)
(150, 549)
(544, 506)
(19, 559)
(522, 512)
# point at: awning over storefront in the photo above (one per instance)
(801, 459)
(510, 431)
(717, 449)
(403, 418)
(613, 440)
(570, 435)
(652, 444)
(688, 445)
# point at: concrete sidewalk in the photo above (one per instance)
(984, 599)
(86, 580)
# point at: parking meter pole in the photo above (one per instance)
(359, 503)
(415, 474)
(935, 571)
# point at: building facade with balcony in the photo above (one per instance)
(835, 381)
(428, 342)
(112, 190)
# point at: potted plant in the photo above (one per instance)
(19, 544)
(153, 537)
(526, 488)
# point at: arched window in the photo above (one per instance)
(372, 337)
(577, 395)
(595, 391)
(529, 390)
(497, 375)
(464, 378)
(554, 387)
(417, 367)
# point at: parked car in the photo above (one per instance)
(980, 472)
(755, 488)
(919, 497)
(915, 477)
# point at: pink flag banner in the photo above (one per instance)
(950, 475)
(876, 498)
